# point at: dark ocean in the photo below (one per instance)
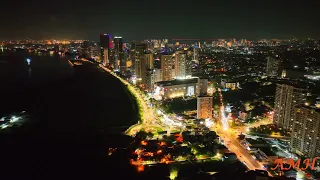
(74, 116)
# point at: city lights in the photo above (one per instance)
(224, 119)
(173, 174)
(208, 123)
(157, 94)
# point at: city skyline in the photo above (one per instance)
(137, 20)
(220, 105)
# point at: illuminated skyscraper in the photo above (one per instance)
(167, 66)
(118, 44)
(105, 45)
(203, 86)
(149, 81)
(118, 50)
(305, 137)
(148, 60)
(204, 107)
(272, 67)
(157, 75)
(147, 73)
(137, 54)
(287, 98)
(180, 65)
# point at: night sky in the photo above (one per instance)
(138, 19)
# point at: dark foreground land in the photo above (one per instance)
(75, 114)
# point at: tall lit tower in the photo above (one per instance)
(105, 45)
(204, 107)
(195, 54)
(203, 86)
(306, 131)
(287, 98)
(167, 66)
(272, 67)
(180, 65)
(119, 59)
(138, 50)
(147, 73)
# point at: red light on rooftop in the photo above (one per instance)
(179, 139)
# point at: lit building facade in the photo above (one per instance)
(204, 107)
(137, 51)
(167, 66)
(232, 85)
(272, 67)
(180, 66)
(305, 137)
(226, 84)
(149, 81)
(287, 97)
(119, 63)
(105, 40)
(203, 86)
(147, 72)
(176, 88)
(157, 75)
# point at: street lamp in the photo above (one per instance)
(28, 61)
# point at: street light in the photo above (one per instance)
(28, 61)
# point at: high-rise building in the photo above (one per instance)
(85, 47)
(203, 86)
(189, 64)
(138, 50)
(120, 62)
(147, 70)
(180, 65)
(272, 67)
(305, 137)
(105, 40)
(157, 75)
(149, 81)
(92, 50)
(148, 60)
(118, 44)
(204, 107)
(167, 65)
(287, 97)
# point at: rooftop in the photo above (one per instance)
(177, 82)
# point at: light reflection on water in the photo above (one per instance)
(13, 120)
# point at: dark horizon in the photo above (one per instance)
(136, 20)
(171, 40)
